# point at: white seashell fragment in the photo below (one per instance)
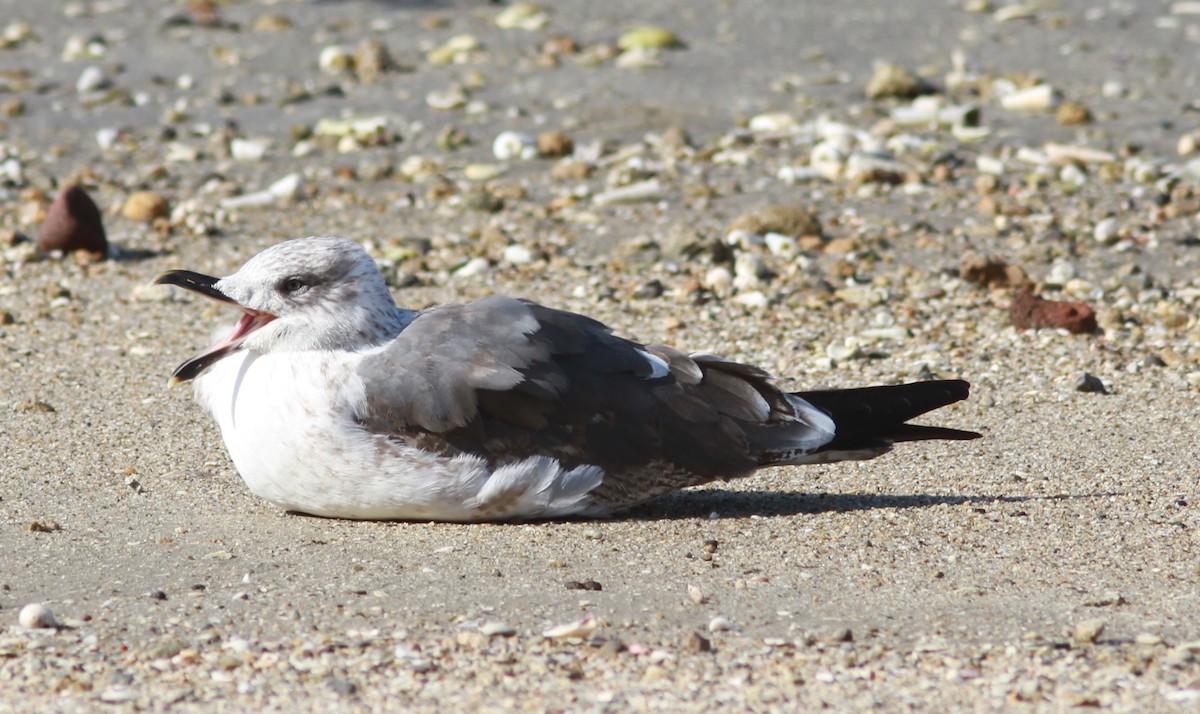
(1069, 154)
(36, 616)
(248, 149)
(1034, 99)
(496, 629)
(517, 254)
(650, 190)
(1107, 231)
(579, 628)
(336, 59)
(510, 145)
(772, 122)
(92, 79)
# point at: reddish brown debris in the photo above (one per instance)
(73, 223)
(1029, 311)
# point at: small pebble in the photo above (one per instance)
(649, 37)
(73, 223)
(1090, 384)
(36, 616)
(1088, 631)
(145, 206)
(892, 81)
(554, 144)
(1107, 231)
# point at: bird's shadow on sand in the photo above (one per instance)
(744, 504)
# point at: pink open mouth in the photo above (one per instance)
(250, 321)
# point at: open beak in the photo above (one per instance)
(206, 285)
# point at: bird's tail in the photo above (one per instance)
(868, 420)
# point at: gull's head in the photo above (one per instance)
(318, 293)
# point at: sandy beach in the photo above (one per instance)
(1049, 566)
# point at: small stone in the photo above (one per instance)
(1188, 144)
(271, 23)
(718, 279)
(1088, 631)
(342, 687)
(787, 220)
(893, 81)
(554, 144)
(590, 585)
(480, 198)
(73, 223)
(696, 595)
(719, 624)
(1089, 383)
(1071, 113)
(1145, 639)
(697, 642)
(14, 107)
(571, 171)
(33, 405)
(145, 206)
(991, 271)
(371, 60)
(649, 37)
(1107, 231)
(36, 616)
(1029, 311)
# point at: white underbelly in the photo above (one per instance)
(288, 422)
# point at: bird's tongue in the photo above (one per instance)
(247, 323)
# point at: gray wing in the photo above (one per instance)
(505, 379)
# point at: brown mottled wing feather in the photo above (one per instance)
(505, 379)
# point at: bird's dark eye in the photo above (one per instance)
(294, 285)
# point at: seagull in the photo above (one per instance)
(333, 401)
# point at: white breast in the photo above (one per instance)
(288, 421)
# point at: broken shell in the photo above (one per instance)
(1034, 99)
(579, 628)
(36, 616)
(510, 145)
(522, 16)
(648, 37)
(336, 60)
